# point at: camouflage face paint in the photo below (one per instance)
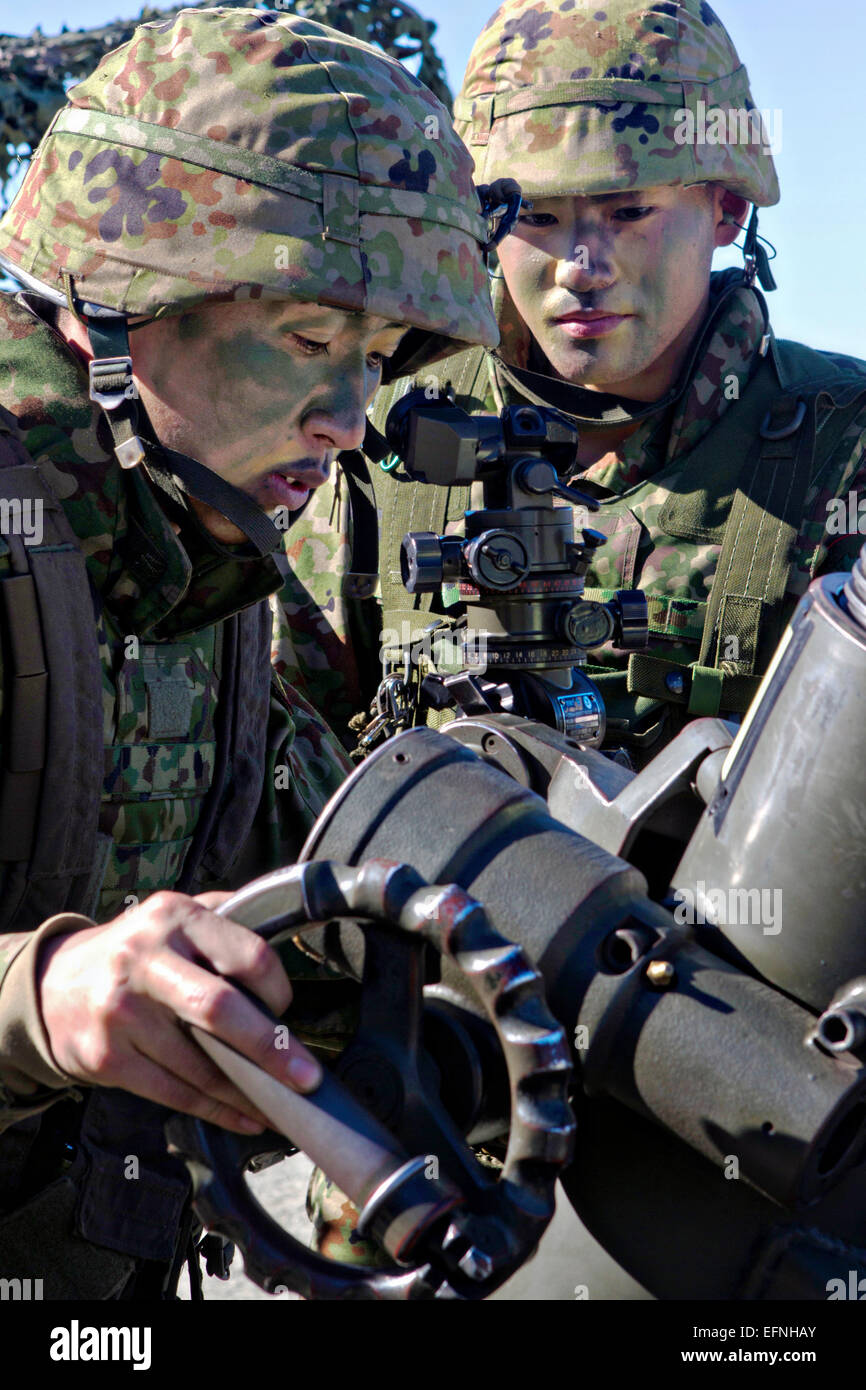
(263, 393)
(613, 289)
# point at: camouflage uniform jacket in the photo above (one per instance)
(633, 486)
(162, 602)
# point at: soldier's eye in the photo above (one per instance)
(633, 214)
(375, 361)
(537, 219)
(309, 346)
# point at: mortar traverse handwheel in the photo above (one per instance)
(451, 1229)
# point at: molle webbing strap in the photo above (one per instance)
(408, 506)
(405, 508)
(51, 757)
(705, 689)
(752, 571)
(51, 777)
(360, 582)
(700, 498)
(681, 619)
(27, 696)
(748, 597)
(26, 693)
(745, 611)
(747, 600)
(242, 724)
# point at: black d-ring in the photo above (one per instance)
(790, 428)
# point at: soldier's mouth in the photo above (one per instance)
(589, 323)
(285, 487)
(282, 490)
(288, 491)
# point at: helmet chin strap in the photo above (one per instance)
(113, 387)
(755, 258)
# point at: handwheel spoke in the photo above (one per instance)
(380, 1064)
(393, 991)
(386, 1067)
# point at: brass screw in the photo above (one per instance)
(660, 973)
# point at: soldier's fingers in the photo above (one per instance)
(212, 1004)
(145, 1078)
(166, 1045)
(235, 950)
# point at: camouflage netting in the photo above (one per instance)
(34, 71)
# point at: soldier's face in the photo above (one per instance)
(614, 287)
(265, 393)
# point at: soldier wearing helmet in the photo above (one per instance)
(221, 239)
(715, 449)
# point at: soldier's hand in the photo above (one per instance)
(113, 998)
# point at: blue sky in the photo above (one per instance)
(803, 58)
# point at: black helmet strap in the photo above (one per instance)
(755, 258)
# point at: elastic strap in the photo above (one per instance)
(703, 689)
(228, 158)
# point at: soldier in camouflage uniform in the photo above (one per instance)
(265, 206)
(633, 132)
(698, 428)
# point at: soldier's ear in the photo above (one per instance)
(730, 215)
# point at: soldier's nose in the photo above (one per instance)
(584, 264)
(339, 434)
(340, 428)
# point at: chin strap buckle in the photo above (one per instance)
(112, 386)
(112, 382)
(130, 452)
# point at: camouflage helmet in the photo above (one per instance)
(581, 97)
(229, 154)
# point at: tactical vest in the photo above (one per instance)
(732, 506)
(156, 769)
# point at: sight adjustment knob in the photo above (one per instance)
(421, 566)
